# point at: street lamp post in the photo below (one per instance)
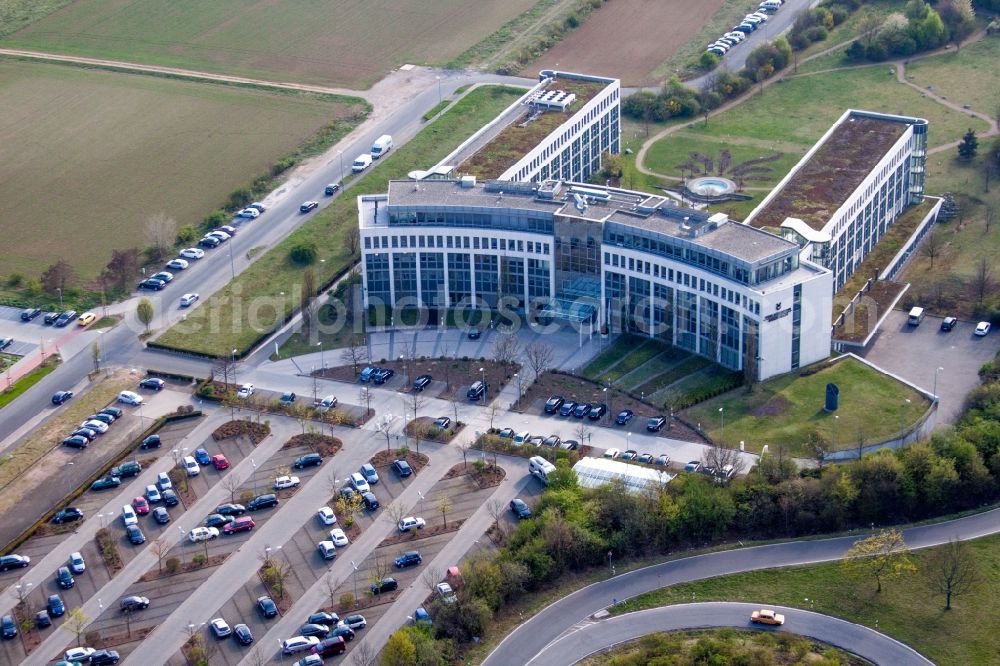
(518, 378)
(608, 404)
(936, 371)
(59, 289)
(341, 156)
(439, 88)
(322, 358)
(482, 374)
(253, 475)
(722, 428)
(836, 418)
(355, 580)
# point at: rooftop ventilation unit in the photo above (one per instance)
(468, 182)
(558, 100)
(581, 203)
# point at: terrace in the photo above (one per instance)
(519, 137)
(824, 182)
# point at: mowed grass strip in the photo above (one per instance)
(788, 410)
(89, 155)
(24, 383)
(270, 289)
(352, 42)
(908, 609)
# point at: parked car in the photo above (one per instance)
(59, 397)
(384, 585)
(220, 461)
(140, 505)
(231, 509)
(76, 563)
(359, 483)
(326, 516)
(42, 619)
(210, 241)
(422, 382)
(64, 578)
(663, 459)
(220, 628)
(8, 628)
(612, 453)
(242, 634)
(249, 213)
(218, 520)
(152, 383)
(567, 408)
(86, 319)
(308, 460)
(267, 607)
(298, 644)
(355, 622)
(104, 658)
(442, 422)
(506, 433)
(330, 646)
(202, 534)
(65, 318)
(50, 318)
(178, 264)
(133, 603)
(169, 497)
(445, 593)
(982, 328)
(521, 438)
(410, 522)
(30, 313)
(135, 535)
(285, 482)
(520, 509)
(693, 466)
(262, 502)
(190, 466)
(201, 455)
(151, 442)
(149, 284)
(89, 435)
(287, 398)
(402, 468)
(331, 189)
(161, 515)
(624, 417)
(127, 469)
(645, 458)
(245, 391)
(187, 300)
(630, 454)
(241, 524)
(317, 630)
(106, 483)
(76, 442)
(553, 404)
(338, 537)
(55, 605)
(163, 481)
(67, 515)
(130, 398)
(552, 440)
(371, 502)
(192, 253)
(382, 375)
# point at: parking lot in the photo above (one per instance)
(915, 352)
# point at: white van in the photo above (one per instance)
(382, 145)
(363, 161)
(541, 468)
(916, 316)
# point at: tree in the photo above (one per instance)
(58, 276)
(123, 267)
(538, 356)
(231, 483)
(959, 18)
(160, 548)
(366, 399)
(750, 359)
(444, 505)
(383, 427)
(144, 311)
(275, 573)
(395, 511)
(718, 457)
(506, 347)
(308, 296)
(399, 650)
(304, 253)
(431, 577)
(932, 247)
(95, 355)
(364, 654)
(226, 367)
(969, 145)
(76, 621)
(869, 26)
(161, 230)
(982, 283)
(951, 569)
(356, 353)
(883, 556)
(331, 584)
(352, 240)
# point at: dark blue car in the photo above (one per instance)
(201, 455)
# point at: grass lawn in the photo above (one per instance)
(106, 150)
(908, 609)
(230, 320)
(333, 339)
(24, 383)
(352, 43)
(970, 76)
(788, 410)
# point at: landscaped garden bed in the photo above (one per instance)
(324, 445)
(385, 458)
(484, 474)
(107, 546)
(423, 428)
(415, 534)
(256, 431)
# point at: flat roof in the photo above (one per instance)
(638, 210)
(526, 129)
(822, 182)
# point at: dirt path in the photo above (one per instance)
(539, 24)
(898, 64)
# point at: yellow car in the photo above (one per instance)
(87, 318)
(767, 616)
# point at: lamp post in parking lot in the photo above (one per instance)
(355, 581)
(59, 289)
(936, 371)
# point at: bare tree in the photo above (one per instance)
(356, 354)
(506, 347)
(456, 407)
(395, 511)
(719, 457)
(498, 510)
(383, 427)
(951, 569)
(160, 548)
(583, 433)
(431, 577)
(493, 410)
(331, 585)
(417, 401)
(366, 399)
(352, 239)
(232, 483)
(364, 654)
(161, 232)
(444, 505)
(982, 283)
(225, 367)
(257, 658)
(749, 360)
(332, 481)
(932, 247)
(95, 355)
(379, 570)
(988, 218)
(465, 446)
(538, 356)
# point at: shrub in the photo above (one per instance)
(216, 219)
(172, 564)
(186, 234)
(239, 198)
(480, 464)
(708, 60)
(15, 280)
(199, 560)
(281, 166)
(304, 253)
(346, 601)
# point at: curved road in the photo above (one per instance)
(524, 644)
(854, 638)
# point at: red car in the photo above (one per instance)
(140, 505)
(241, 524)
(220, 461)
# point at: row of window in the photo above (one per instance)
(455, 242)
(508, 219)
(688, 255)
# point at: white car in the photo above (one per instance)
(738, 36)
(163, 480)
(408, 523)
(612, 453)
(153, 494)
(77, 563)
(221, 628)
(220, 234)
(326, 516)
(79, 654)
(192, 253)
(249, 213)
(191, 466)
(130, 398)
(358, 483)
(128, 515)
(202, 534)
(520, 438)
(982, 328)
(177, 264)
(245, 391)
(283, 482)
(188, 299)
(298, 644)
(338, 537)
(95, 425)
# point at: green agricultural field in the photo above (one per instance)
(238, 315)
(89, 155)
(352, 43)
(908, 609)
(788, 411)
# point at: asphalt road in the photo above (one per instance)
(861, 641)
(533, 635)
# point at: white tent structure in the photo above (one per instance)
(595, 472)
